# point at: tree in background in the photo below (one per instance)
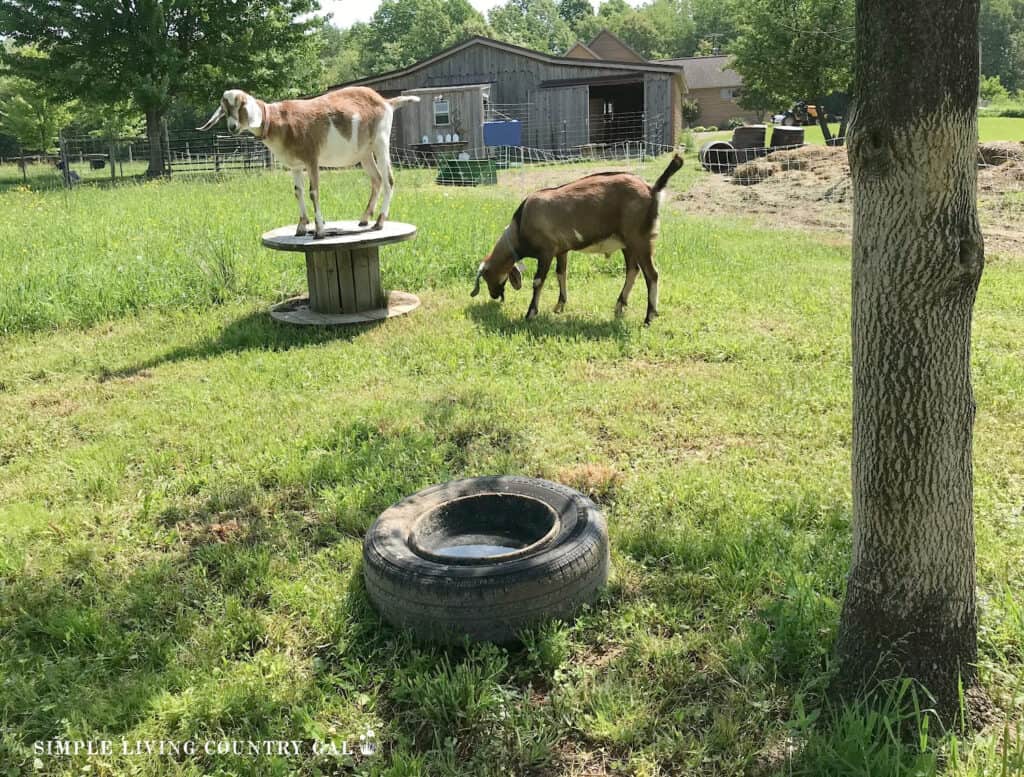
(341, 53)
(575, 11)
(1001, 27)
(535, 24)
(658, 30)
(30, 113)
(716, 24)
(910, 609)
(791, 50)
(404, 31)
(154, 51)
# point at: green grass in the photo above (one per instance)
(1000, 128)
(185, 484)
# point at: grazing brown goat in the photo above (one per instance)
(598, 213)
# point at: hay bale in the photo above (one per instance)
(753, 172)
(809, 158)
(1007, 177)
(1000, 152)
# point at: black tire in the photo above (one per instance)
(486, 601)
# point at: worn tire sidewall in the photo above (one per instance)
(486, 601)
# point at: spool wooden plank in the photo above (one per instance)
(311, 278)
(343, 257)
(366, 278)
(332, 281)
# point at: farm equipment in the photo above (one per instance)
(801, 114)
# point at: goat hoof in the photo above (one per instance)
(560, 307)
(531, 313)
(364, 223)
(319, 235)
(302, 231)
(377, 227)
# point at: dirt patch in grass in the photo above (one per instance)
(597, 481)
(809, 188)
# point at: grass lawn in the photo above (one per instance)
(184, 485)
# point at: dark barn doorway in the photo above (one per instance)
(616, 112)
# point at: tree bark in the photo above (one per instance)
(910, 607)
(154, 134)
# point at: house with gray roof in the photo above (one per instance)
(715, 87)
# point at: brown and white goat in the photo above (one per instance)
(598, 213)
(341, 128)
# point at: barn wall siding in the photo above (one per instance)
(517, 79)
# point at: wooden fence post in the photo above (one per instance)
(65, 161)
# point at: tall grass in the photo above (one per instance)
(184, 485)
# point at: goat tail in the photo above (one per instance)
(398, 102)
(672, 169)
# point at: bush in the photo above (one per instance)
(691, 110)
(711, 128)
(735, 122)
(687, 140)
(699, 128)
(992, 89)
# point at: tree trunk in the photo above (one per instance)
(154, 134)
(910, 606)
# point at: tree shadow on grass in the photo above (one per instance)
(503, 320)
(256, 331)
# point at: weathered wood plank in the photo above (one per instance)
(346, 283)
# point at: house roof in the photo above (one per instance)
(460, 88)
(608, 40)
(706, 72)
(580, 50)
(667, 68)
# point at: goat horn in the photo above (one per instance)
(217, 116)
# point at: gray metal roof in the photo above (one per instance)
(706, 72)
(667, 67)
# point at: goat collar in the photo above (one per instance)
(511, 247)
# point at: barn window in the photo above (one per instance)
(730, 93)
(442, 113)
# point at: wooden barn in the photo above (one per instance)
(491, 93)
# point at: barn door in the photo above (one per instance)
(559, 117)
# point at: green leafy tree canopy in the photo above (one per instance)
(794, 50)
(153, 51)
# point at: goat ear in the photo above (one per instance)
(516, 276)
(217, 116)
(479, 274)
(253, 113)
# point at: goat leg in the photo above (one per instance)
(651, 277)
(560, 270)
(299, 181)
(543, 265)
(632, 268)
(314, 195)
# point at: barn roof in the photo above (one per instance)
(706, 72)
(667, 68)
